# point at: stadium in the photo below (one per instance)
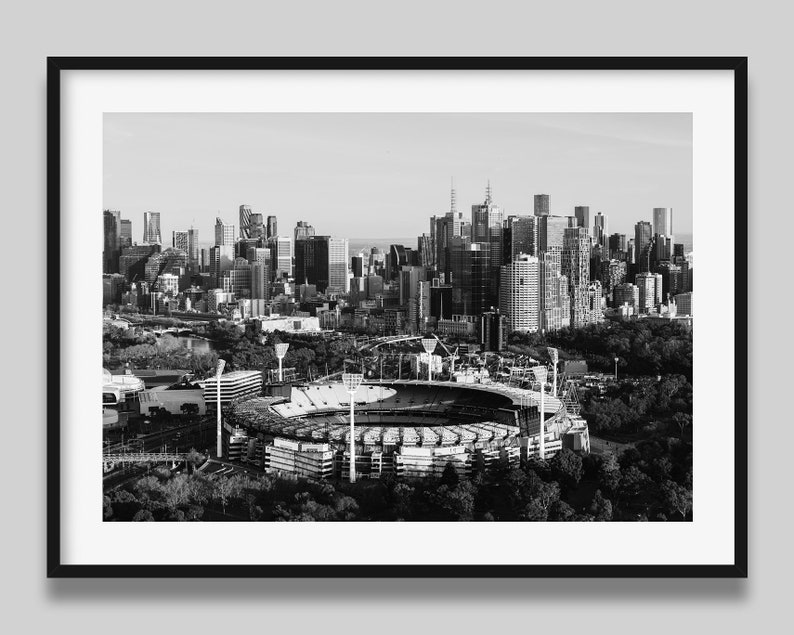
(409, 428)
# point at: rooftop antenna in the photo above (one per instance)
(488, 193)
(453, 201)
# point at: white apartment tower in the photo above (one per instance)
(519, 293)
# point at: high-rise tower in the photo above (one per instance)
(224, 234)
(245, 221)
(542, 204)
(151, 228)
(663, 221)
(519, 293)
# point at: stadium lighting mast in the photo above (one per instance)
(218, 373)
(617, 359)
(555, 357)
(541, 373)
(281, 351)
(352, 381)
(429, 346)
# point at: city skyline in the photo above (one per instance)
(382, 175)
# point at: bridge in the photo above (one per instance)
(109, 461)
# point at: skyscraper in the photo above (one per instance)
(272, 227)
(650, 291)
(281, 253)
(193, 249)
(486, 227)
(643, 239)
(312, 262)
(600, 234)
(551, 230)
(126, 233)
(257, 230)
(303, 231)
(221, 261)
(224, 234)
(523, 231)
(338, 279)
(245, 221)
(179, 240)
(473, 292)
(519, 293)
(663, 221)
(111, 249)
(582, 214)
(151, 228)
(542, 204)
(576, 267)
(555, 304)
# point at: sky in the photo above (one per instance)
(382, 175)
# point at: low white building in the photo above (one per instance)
(293, 324)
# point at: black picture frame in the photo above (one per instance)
(56, 65)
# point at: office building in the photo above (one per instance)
(493, 331)
(221, 261)
(627, 294)
(357, 266)
(125, 233)
(281, 253)
(650, 291)
(257, 230)
(663, 221)
(521, 234)
(179, 240)
(303, 231)
(555, 303)
(473, 291)
(542, 205)
(224, 234)
(338, 279)
(551, 230)
(643, 242)
(245, 221)
(519, 293)
(600, 234)
(111, 249)
(576, 267)
(582, 215)
(613, 272)
(272, 227)
(132, 261)
(312, 260)
(487, 227)
(617, 245)
(168, 284)
(151, 228)
(193, 250)
(683, 303)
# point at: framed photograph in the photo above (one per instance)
(397, 317)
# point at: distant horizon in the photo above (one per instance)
(381, 173)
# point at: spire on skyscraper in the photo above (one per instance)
(453, 202)
(488, 199)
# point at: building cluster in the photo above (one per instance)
(475, 277)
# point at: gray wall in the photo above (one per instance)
(36, 29)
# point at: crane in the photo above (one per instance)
(452, 356)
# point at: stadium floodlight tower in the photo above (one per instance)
(281, 351)
(429, 346)
(555, 358)
(541, 373)
(352, 381)
(219, 434)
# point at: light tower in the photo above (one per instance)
(281, 351)
(218, 373)
(555, 357)
(617, 359)
(352, 381)
(541, 372)
(429, 346)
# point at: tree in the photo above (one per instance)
(601, 508)
(609, 473)
(143, 515)
(566, 467)
(683, 421)
(677, 498)
(189, 409)
(449, 476)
